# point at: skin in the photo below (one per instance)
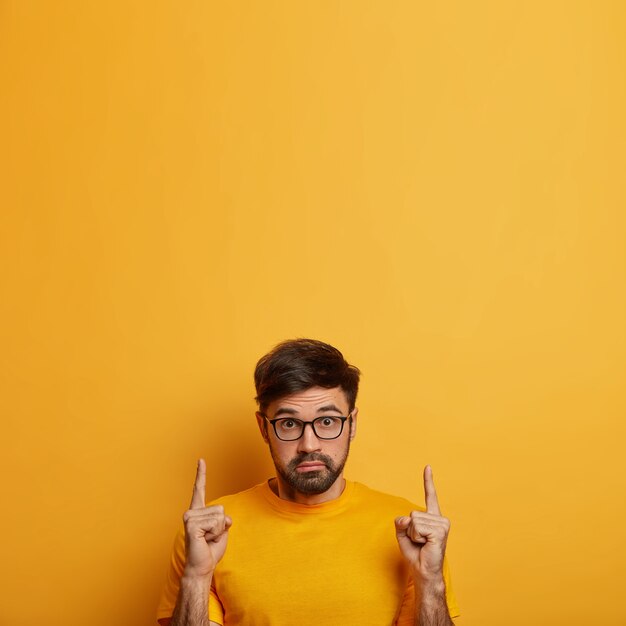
(421, 535)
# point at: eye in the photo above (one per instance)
(327, 421)
(287, 424)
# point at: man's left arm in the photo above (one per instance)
(422, 538)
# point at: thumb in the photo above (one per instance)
(402, 523)
(228, 522)
(407, 547)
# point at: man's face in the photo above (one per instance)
(309, 465)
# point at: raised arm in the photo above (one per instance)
(206, 535)
(422, 538)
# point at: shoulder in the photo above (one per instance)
(246, 498)
(384, 501)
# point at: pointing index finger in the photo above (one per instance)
(199, 488)
(432, 503)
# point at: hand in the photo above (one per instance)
(206, 531)
(422, 536)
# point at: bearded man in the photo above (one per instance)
(308, 547)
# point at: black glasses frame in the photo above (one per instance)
(304, 424)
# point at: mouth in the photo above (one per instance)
(312, 466)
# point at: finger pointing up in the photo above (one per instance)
(432, 504)
(197, 498)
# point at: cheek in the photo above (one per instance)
(338, 449)
(283, 451)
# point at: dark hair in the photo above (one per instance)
(299, 364)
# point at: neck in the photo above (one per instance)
(286, 492)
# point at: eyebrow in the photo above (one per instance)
(329, 407)
(288, 411)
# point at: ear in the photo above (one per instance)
(355, 412)
(260, 420)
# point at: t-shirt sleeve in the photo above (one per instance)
(406, 615)
(216, 610)
(169, 593)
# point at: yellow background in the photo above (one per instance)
(436, 188)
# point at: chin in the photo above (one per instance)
(319, 483)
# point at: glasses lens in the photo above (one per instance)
(327, 427)
(288, 429)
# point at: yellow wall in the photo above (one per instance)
(436, 188)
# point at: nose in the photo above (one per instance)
(308, 442)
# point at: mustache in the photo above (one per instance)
(309, 457)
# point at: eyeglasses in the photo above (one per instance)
(290, 428)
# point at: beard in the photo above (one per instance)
(313, 482)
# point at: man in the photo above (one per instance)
(308, 547)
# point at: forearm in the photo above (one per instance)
(431, 608)
(192, 603)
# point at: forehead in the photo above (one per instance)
(310, 400)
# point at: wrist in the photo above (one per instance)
(192, 603)
(193, 578)
(432, 586)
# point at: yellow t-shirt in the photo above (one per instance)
(289, 564)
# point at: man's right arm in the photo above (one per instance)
(206, 536)
(192, 604)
